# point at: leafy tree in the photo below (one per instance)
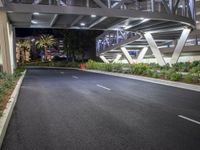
(23, 46)
(45, 41)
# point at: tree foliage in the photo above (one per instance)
(45, 40)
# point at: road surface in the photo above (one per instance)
(77, 110)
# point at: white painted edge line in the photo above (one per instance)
(75, 77)
(6, 115)
(101, 86)
(189, 119)
(152, 80)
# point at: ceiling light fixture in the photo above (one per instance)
(34, 22)
(82, 24)
(93, 16)
(36, 13)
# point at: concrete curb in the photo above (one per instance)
(152, 80)
(5, 118)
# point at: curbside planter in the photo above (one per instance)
(6, 115)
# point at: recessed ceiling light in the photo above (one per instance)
(36, 13)
(34, 22)
(93, 16)
(82, 24)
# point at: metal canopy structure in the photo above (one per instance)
(125, 22)
(100, 14)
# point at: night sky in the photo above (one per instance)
(88, 36)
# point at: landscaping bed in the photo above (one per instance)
(188, 72)
(7, 85)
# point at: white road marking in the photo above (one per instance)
(75, 77)
(103, 87)
(189, 119)
(62, 72)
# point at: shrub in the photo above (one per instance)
(139, 69)
(91, 64)
(149, 72)
(195, 70)
(188, 78)
(165, 67)
(2, 75)
(108, 67)
(167, 74)
(117, 67)
(156, 75)
(175, 76)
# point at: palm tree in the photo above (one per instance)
(22, 47)
(45, 41)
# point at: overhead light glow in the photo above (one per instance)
(145, 20)
(93, 16)
(82, 24)
(127, 27)
(34, 22)
(36, 13)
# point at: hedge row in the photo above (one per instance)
(186, 72)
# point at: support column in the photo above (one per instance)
(117, 58)
(154, 48)
(4, 43)
(14, 48)
(127, 55)
(179, 47)
(142, 54)
(104, 59)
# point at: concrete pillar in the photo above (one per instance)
(103, 58)
(127, 55)
(117, 58)
(5, 43)
(179, 47)
(142, 54)
(154, 48)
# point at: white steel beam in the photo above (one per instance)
(116, 5)
(141, 54)
(76, 20)
(53, 20)
(127, 55)
(179, 47)
(100, 3)
(117, 58)
(154, 48)
(97, 22)
(103, 58)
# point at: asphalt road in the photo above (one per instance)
(76, 110)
